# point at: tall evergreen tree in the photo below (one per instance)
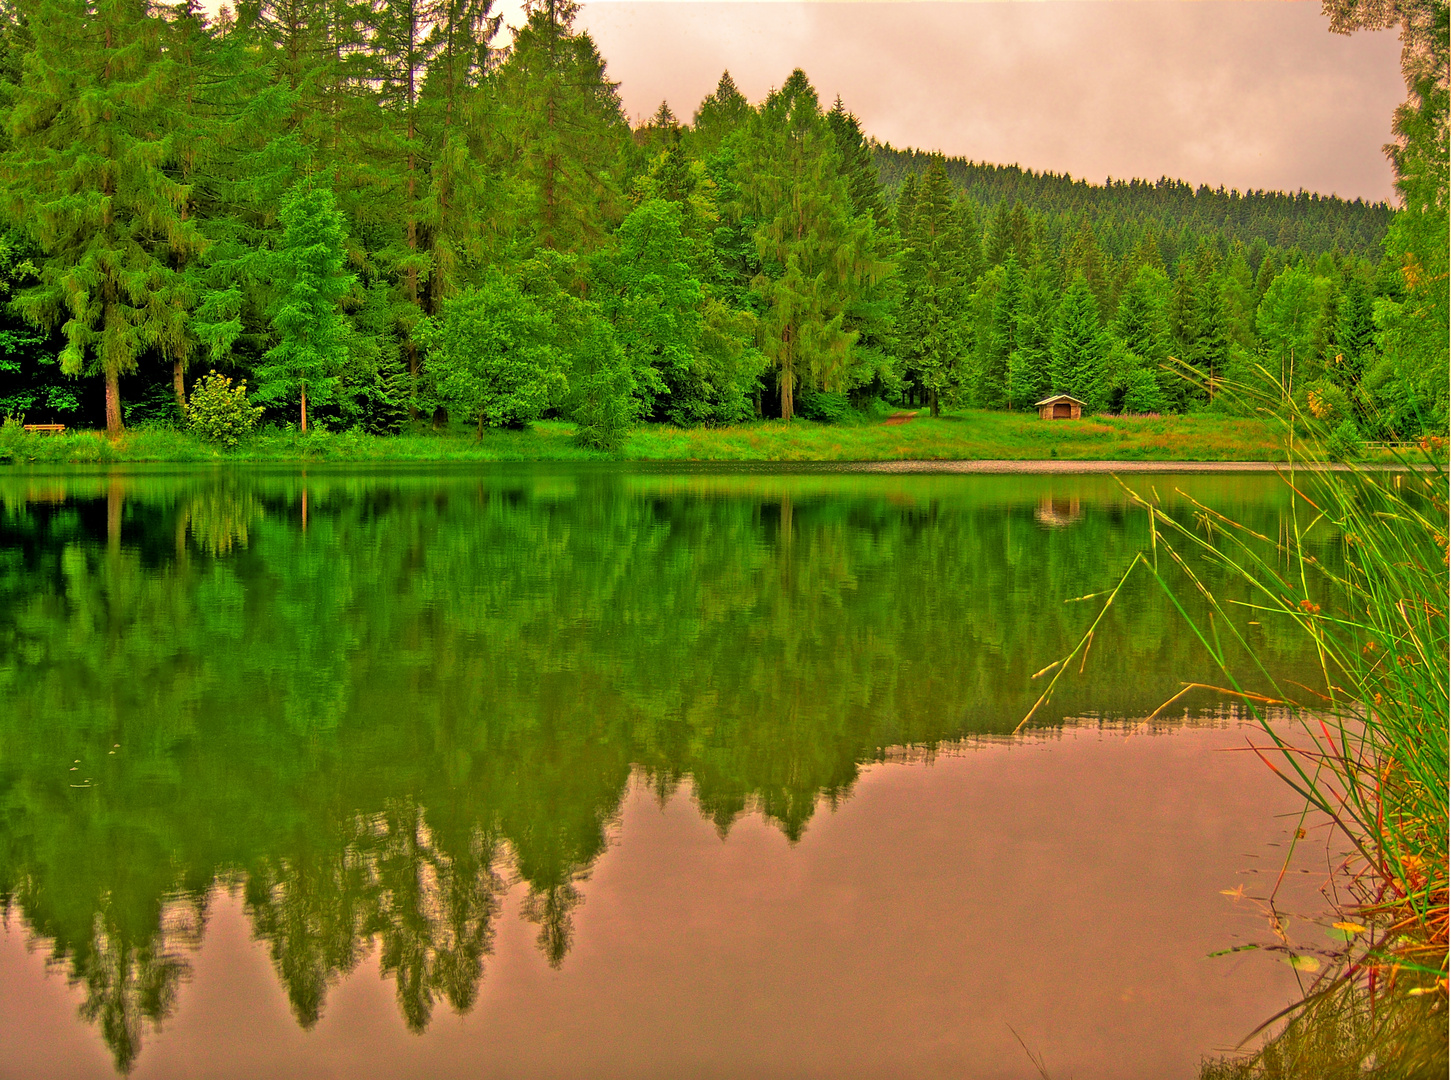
(1079, 359)
(90, 170)
(311, 343)
(931, 314)
(817, 254)
(723, 112)
(994, 387)
(564, 132)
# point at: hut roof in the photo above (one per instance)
(1056, 398)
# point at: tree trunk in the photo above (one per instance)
(304, 410)
(113, 404)
(936, 409)
(788, 378)
(178, 383)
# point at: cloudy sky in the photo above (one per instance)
(1251, 93)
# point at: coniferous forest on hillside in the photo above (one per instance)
(397, 214)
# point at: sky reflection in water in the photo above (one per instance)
(586, 757)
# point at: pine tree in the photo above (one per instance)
(930, 318)
(1079, 357)
(464, 198)
(1083, 256)
(868, 316)
(311, 334)
(858, 168)
(564, 133)
(89, 171)
(994, 386)
(1211, 342)
(817, 255)
(967, 241)
(1183, 313)
(906, 205)
(999, 240)
(1355, 334)
(722, 113)
(1140, 322)
(1030, 363)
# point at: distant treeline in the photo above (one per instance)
(379, 216)
(1177, 213)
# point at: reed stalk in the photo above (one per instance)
(1368, 749)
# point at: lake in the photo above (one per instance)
(564, 771)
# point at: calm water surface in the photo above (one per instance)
(565, 772)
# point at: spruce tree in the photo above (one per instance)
(858, 168)
(1208, 349)
(817, 255)
(1355, 334)
(999, 239)
(1030, 363)
(1184, 312)
(90, 171)
(1079, 359)
(311, 333)
(994, 387)
(563, 132)
(932, 310)
(1140, 322)
(723, 112)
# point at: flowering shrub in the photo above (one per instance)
(219, 412)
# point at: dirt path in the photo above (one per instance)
(898, 418)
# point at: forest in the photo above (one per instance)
(401, 215)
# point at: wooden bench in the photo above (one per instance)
(45, 429)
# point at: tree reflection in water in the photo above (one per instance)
(443, 685)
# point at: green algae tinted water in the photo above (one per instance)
(606, 772)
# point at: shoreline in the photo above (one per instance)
(900, 467)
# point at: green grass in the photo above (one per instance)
(965, 435)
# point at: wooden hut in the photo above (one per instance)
(1060, 407)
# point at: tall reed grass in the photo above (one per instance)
(1368, 749)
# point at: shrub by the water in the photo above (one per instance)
(219, 411)
(1345, 443)
(825, 406)
(12, 434)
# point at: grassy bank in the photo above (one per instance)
(966, 435)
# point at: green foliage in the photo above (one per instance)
(654, 302)
(1288, 322)
(563, 131)
(1141, 392)
(826, 407)
(1079, 357)
(817, 254)
(89, 171)
(219, 412)
(492, 355)
(311, 347)
(753, 256)
(1345, 443)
